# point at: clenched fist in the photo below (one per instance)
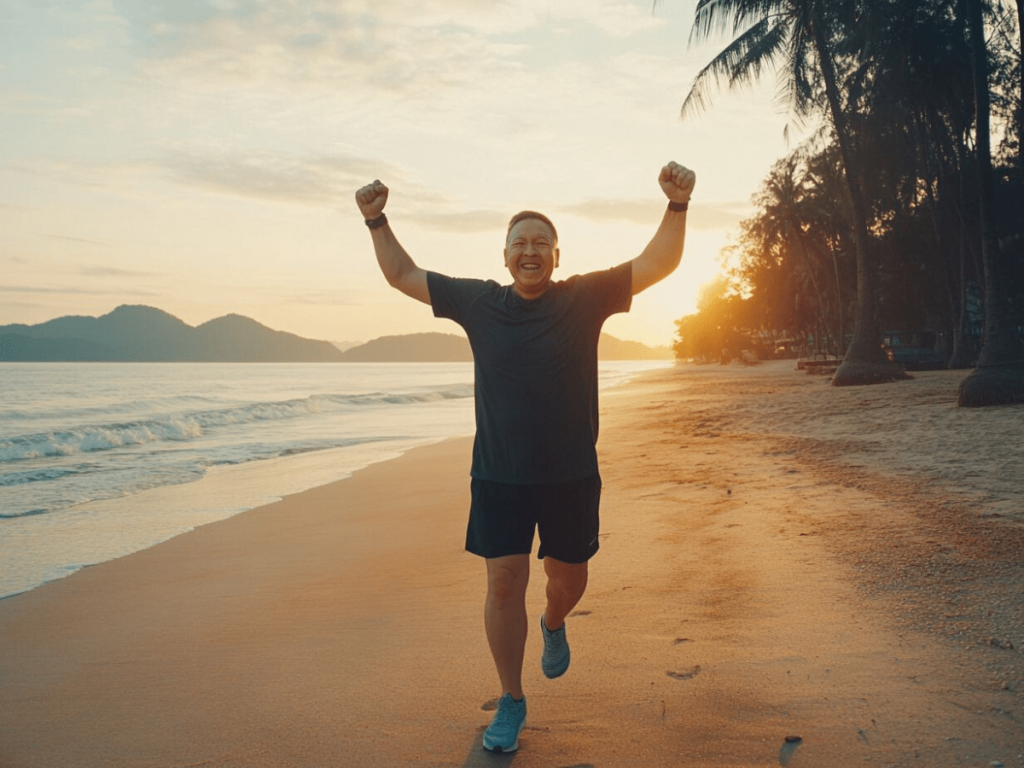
(677, 182)
(371, 199)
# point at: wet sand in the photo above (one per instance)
(779, 559)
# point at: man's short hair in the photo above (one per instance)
(531, 215)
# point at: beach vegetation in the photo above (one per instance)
(717, 331)
(896, 217)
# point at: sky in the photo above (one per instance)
(201, 156)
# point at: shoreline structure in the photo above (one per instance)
(779, 559)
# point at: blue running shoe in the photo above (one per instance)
(502, 735)
(555, 660)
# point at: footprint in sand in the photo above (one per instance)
(684, 675)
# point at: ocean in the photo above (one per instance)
(99, 460)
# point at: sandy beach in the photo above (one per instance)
(790, 574)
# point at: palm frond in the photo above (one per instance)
(805, 91)
(713, 17)
(762, 49)
(750, 12)
(723, 67)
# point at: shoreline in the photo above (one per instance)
(764, 572)
(222, 494)
(93, 532)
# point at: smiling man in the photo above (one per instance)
(534, 465)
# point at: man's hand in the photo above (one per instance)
(677, 182)
(371, 199)
(661, 256)
(399, 269)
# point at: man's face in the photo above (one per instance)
(531, 255)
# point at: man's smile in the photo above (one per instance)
(531, 254)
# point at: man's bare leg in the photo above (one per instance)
(566, 584)
(505, 618)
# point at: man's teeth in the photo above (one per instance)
(531, 266)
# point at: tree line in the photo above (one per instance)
(903, 213)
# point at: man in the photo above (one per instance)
(534, 457)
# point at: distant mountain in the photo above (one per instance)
(346, 345)
(611, 348)
(234, 338)
(412, 348)
(146, 334)
(449, 347)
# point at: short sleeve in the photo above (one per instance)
(612, 288)
(451, 297)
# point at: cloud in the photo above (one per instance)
(80, 172)
(702, 216)
(329, 298)
(632, 211)
(719, 216)
(469, 222)
(413, 48)
(617, 19)
(418, 49)
(59, 290)
(83, 240)
(19, 102)
(324, 181)
(114, 272)
(314, 180)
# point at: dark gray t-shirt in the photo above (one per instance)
(536, 371)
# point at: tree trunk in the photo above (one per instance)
(1020, 86)
(795, 237)
(864, 362)
(841, 339)
(961, 357)
(999, 377)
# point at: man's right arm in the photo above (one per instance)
(398, 267)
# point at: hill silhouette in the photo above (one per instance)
(450, 347)
(146, 334)
(412, 348)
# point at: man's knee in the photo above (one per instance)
(507, 579)
(568, 578)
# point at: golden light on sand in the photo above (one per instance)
(778, 559)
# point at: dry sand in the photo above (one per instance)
(779, 558)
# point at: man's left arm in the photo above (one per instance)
(663, 254)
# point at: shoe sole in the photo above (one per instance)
(557, 674)
(502, 750)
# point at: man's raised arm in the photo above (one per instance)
(398, 267)
(662, 255)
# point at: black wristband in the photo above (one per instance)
(380, 221)
(678, 207)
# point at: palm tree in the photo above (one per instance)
(785, 228)
(999, 377)
(918, 90)
(1020, 82)
(802, 34)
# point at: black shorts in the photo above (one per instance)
(502, 518)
